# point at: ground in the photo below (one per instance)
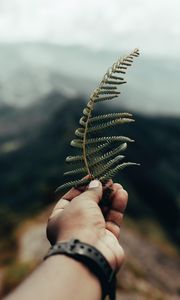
(150, 271)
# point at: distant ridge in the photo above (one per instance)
(30, 71)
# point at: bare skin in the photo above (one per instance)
(78, 215)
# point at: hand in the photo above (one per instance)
(78, 215)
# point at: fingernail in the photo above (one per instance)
(94, 184)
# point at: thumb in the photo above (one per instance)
(94, 191)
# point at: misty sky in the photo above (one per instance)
(153, 26)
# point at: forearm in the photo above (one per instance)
(59, 278)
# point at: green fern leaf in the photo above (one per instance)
(113, 172)
(96, 151)
(101, 169)
(96, 161)
(109, 139)
(109, 116)
(70, 184)
(100, 99)
(109, 124)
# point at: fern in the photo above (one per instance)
(97, 158)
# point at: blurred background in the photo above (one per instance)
(52, 55)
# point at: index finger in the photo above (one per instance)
(118, 197)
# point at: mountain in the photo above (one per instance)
(23, 123)
(30, 173)
(31, 71)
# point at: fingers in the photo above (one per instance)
(93, 192)
(64, 201)
(114, 216)
(119, 198)
(72, 193)
(113, 228)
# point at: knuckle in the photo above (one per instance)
(124, 194)
(118, 185)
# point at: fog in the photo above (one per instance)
(152, 26)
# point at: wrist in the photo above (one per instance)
(66, 270)
(85, 236)
(100, 243)
(90, 257)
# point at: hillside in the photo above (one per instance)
(149, 272)
(30, 173)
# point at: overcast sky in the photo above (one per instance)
(153, 26)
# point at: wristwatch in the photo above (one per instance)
(92, 259)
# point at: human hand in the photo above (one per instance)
(78, 215)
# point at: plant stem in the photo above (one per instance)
(84, 140)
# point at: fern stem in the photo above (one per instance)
(84, 140)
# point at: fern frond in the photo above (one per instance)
(118, 70)
(94, 157)
(79, 143)
(86, 111)
(115, 77)
(107, 81)
(97, 148)
(108, 92)
(80, 131)
(100, 99)
(108, 87)
(75, 171)
(107, 155)
(101, 169)
(75, 183)
(109, 116)
(74, 158)
(96, 161)
(109, 124)
(114, 171)
(109, 139)
(76, 143)
(111, 153)
(90, 152)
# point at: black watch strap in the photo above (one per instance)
(90, 257)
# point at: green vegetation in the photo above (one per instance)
(99, 156)
(30, 174)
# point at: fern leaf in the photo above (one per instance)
(95, 150)
(109, 124)
(107, 81)
(96, 161)
(125, 63)
(108, 87)
(98, 148)
(80, 132)
(86, 111)
(90, 152)
(74, 158)
(115, 77)
(108, 92)
(100, 99)
(109, 116)
(75, 171)
(113, 172)
(109, 139)
(108, 154)
(76, 143)
(98, 171)
(118, 70)
(75, 183)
